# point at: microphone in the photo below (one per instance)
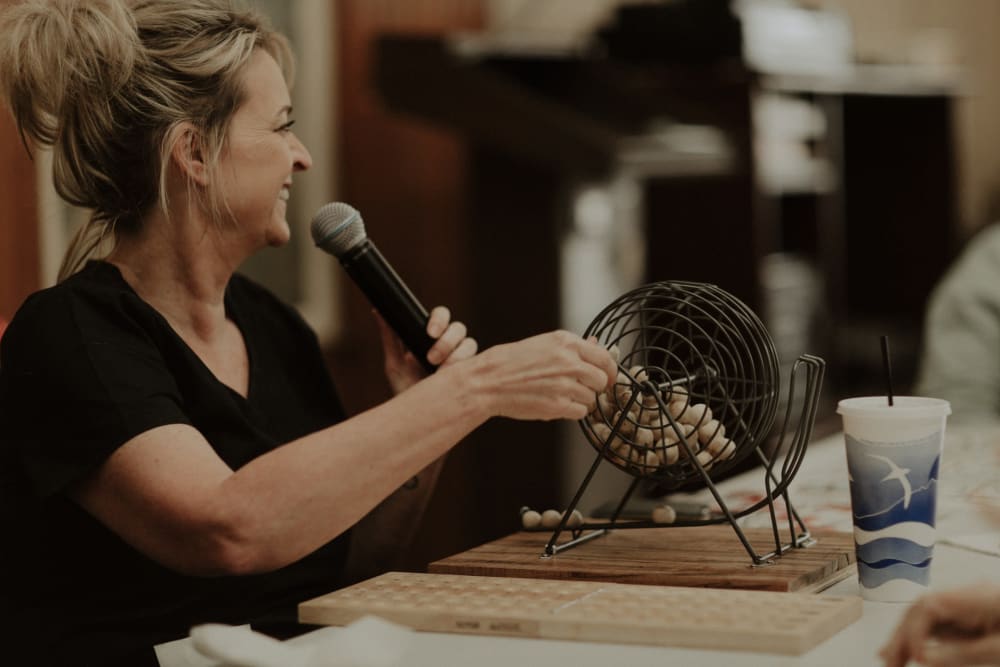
(337, 228)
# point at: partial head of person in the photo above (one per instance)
(154, 107)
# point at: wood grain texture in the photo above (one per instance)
(760, 621)
(709, 556)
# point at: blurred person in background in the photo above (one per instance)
(172, 450)
(960, 359)
(960, 362)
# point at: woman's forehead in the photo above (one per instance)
(265, 91)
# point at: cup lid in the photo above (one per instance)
(902, 406)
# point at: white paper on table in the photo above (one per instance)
(367, 642)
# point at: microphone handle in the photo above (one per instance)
(391, 298)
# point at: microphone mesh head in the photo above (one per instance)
(337, 228)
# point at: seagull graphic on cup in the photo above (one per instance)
(897, 473)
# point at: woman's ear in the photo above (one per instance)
(187, 152)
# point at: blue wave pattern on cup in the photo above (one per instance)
(893, 499)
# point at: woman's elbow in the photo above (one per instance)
(227, 557)
(223, 548)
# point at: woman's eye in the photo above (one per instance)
(287, 126)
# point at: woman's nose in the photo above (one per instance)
(303, 160)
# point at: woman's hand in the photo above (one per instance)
(948, 629)
(556, 375)
(452, 344)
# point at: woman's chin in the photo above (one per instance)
(279, 235)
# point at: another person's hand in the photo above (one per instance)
(948, 629)
(403, 369)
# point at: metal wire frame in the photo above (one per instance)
(694, 340)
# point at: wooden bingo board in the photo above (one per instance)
(704, 556)
(764, 621)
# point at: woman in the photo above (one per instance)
(172, 451)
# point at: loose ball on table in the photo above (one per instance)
(664, 514)
(551, 518)
(530, 518)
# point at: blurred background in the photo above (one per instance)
(527, 161)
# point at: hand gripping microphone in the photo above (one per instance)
(338, 229)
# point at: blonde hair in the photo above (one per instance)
(106, 82)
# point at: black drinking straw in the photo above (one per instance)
(888, 368)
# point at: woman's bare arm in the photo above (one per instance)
(168, 494)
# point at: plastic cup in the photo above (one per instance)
(893, 459)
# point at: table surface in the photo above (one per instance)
(969, 476)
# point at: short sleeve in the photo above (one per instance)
(78, 378)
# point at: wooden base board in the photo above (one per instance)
(704, 556)
(719, 619)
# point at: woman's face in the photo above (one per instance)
(260, 156)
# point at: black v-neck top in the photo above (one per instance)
(86, 366)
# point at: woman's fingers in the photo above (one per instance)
(594, 378)
(438, 321)
(597, 355)
(555, 376)
(447, 343)
(572, 410)
(467, 348)
(453, 342)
